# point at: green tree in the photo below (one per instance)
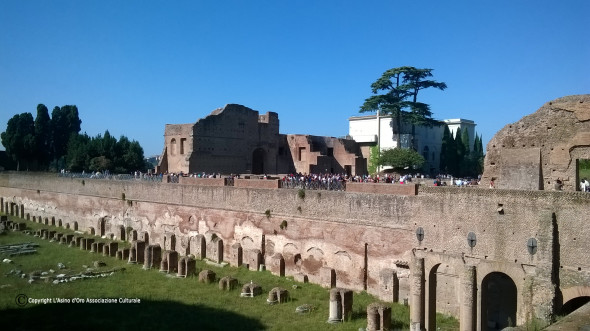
(373, 159)
(43, 136)
(19, 139)
(401, 160)
(448, 152)
(78, 157)
(65, 121)
(400, 98)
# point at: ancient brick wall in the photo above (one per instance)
(338, 229)
(539, 149)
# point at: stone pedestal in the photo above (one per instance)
(378, 317)
(228, 283)
(277, 295)
(152, 256)
(340, 305)
(206, 276)
(169, 262)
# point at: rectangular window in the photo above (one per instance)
(182, 143)
(301, 154)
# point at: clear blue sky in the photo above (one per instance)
(133, 66)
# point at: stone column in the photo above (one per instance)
(469, 304)
(417, 303)
(335, 307)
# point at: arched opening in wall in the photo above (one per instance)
(172, 242)
(258, 161)
(59, 223)
(101, 227)
(297, 261)
(75, 226)
(182, 143)
(187, 249)
(121, 233)
(572, 305)
(173, 146)
(498, 301)
(146, 238)
(583, 175)
(53, 221)
(431, 302)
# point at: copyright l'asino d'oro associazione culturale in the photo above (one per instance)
(23, 300)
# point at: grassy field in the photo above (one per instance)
(166, 302)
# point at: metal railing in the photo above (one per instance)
(108, 176)
(314, 184)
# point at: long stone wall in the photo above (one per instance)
(360, 241)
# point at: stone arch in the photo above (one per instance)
(75, 226)
(52, 220)
(173, 146)
(499, 301)
(59, 223)
(574, 298)
(102, 226)
(258, 157)
(198, 246)
(92, 231)
(122, 233)
(132, 235)
(248, 243)
(68, 226)
(187, 247)
(431, 299)
(145, 237)
(269, 248)
(46, 221)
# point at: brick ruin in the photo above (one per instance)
(539, 149)
(236, 139)
(490, 257)
(437, 250)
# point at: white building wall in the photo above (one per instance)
(428, 140)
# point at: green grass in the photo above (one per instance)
(166, 302)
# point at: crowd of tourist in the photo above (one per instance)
(312, 181)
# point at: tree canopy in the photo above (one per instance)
(400, 98)
(56, 143)
(401, 160)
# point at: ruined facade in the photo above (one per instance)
(489, 257)
(236, 139)
(541, 148)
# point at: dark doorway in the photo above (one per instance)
(258, 161)
(498, 302)
(572, 305)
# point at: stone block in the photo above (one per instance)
(207, 276)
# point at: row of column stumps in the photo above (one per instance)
(341, 300)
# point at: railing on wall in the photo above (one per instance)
(329, 185)
(108, 176)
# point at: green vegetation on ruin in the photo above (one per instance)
(166, 302)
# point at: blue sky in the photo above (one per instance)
(133, 66)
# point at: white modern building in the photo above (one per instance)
(379, 130)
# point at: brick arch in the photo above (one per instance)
(571, 293)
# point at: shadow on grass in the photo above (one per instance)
(147, 315)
